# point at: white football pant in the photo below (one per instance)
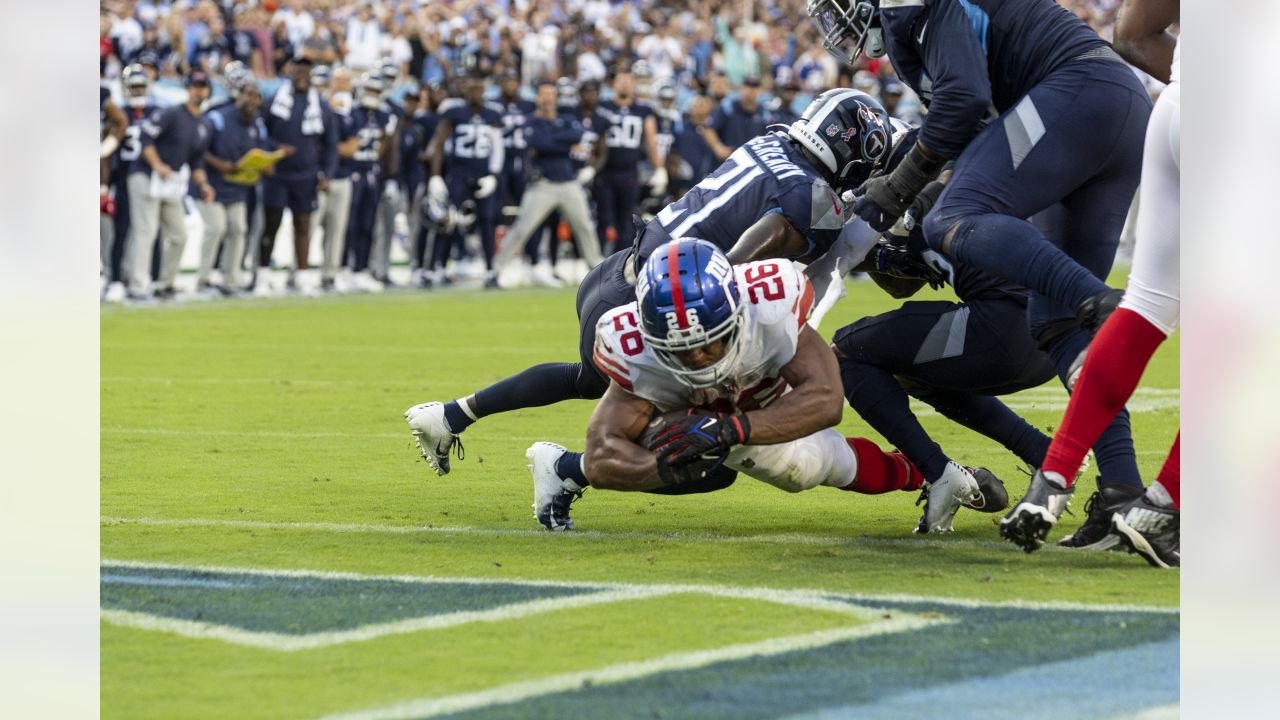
(823, 458)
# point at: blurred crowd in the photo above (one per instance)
(699, 64)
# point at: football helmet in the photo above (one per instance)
(137, 86)
(237, 76)
(688, 298)
(389, 72)
(849, 27)
(369, 91)
(848, 132)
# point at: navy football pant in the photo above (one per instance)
(461, 190)
(1075, 139)
(365, 194)
(617, 193)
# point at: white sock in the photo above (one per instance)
(1159, 496)
(1055, 479)
(462, 403)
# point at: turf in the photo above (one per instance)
(272, 431)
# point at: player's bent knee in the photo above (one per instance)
(940, 226)
(589, 384)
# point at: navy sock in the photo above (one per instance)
(569, 466)
(540, 385)
(1117, 460)
(1015, 250)
(876, 396)
(457, 418)
(991, 417)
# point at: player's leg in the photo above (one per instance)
(573, 203)
(215, 225)
(302, 205)
(121, 221)
(535, 203)
(607, 217)
(1083, 117)
(173, 228)
(237, 231)
(144, 223)
(337, 211)
(487, 226)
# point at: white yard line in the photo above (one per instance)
(311, 641)
(515, 692)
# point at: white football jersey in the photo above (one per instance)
(776, 298)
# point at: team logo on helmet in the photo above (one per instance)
(833, 130)
(875, 139)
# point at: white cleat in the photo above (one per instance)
(542, 276)
(432, 434)
(943, 498)
(552, 494)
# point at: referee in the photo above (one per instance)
(553, 183)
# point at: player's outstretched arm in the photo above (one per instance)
(815, 401)
(1142, 37)
(613, 460)
(772, 236)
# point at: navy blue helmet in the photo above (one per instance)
(688, 299)
(848, 132)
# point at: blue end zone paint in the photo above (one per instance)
(301, 605)
(967, 669)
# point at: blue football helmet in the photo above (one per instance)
(849, 27)
(688, 299)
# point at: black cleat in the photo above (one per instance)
(1095, 532)
(994, 496)
(1095, 310)
(1028, 524)
(1149, 530)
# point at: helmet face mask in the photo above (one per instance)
(688, 299)
(847, 27)
(137, 85)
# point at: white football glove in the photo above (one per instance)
(586, 175)
(391, 190)
(658, 181)
(438, 191)
(108, 146)
(485, 186)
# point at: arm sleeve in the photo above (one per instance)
(954, 56)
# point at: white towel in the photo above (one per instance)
(312, 118)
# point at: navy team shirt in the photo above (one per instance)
(970, 60)
(515, 115)
(549, 141)
(230, 137)
(625, 136)
(344, 128)
(372, 127)
(314, 137)
(413, 138)
(697, 159)
(594, 126)
(469, 148)
(766, 175)
(178, 136)
(668, 126)
(734, 125)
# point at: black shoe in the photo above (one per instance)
(1029, 522)
(1095, 310)
(1149, 530)
(1095, 532)
(167, 293)
(994, 497)
(491, 283)
(425, 282)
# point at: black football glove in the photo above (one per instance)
(885, 198)
(697, 436)
(900, 262)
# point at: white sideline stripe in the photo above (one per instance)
(291, 435)
(813, 598)
(311, 641)
(1163, 712)
(775, 539)
(515, 692)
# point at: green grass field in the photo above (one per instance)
(243, 442)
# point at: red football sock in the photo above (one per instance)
(1112, 369)
(881, 472)
(1171, 474)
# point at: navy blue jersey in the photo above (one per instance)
(230, 137)
(414, 136)
(549, 144)
(766, 175)
(394, 107)
(309, 128)
(514, 116)
(625, 136)
(178, 136)
(594, 126)
(344, 130)
(668, 126)
(734, 125)
(970, 60)
(373, 127)
(474, 145)
(131, 145)
(697, 160)
(103, 96)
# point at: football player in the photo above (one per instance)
(137, 108)
(515, 155)
(468, 141)
(1003, 82)
(391, 220)
(333, 205)
(375, 153)
(1145, 521)
(733, 343)
(776, 197)
(632, 134)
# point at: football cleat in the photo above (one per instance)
(1029, 522)
(1094, 311)
(944, 496)
(552, 494)
(992, 495)
(1095, 532)
(433, 435)
(1149, 530)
